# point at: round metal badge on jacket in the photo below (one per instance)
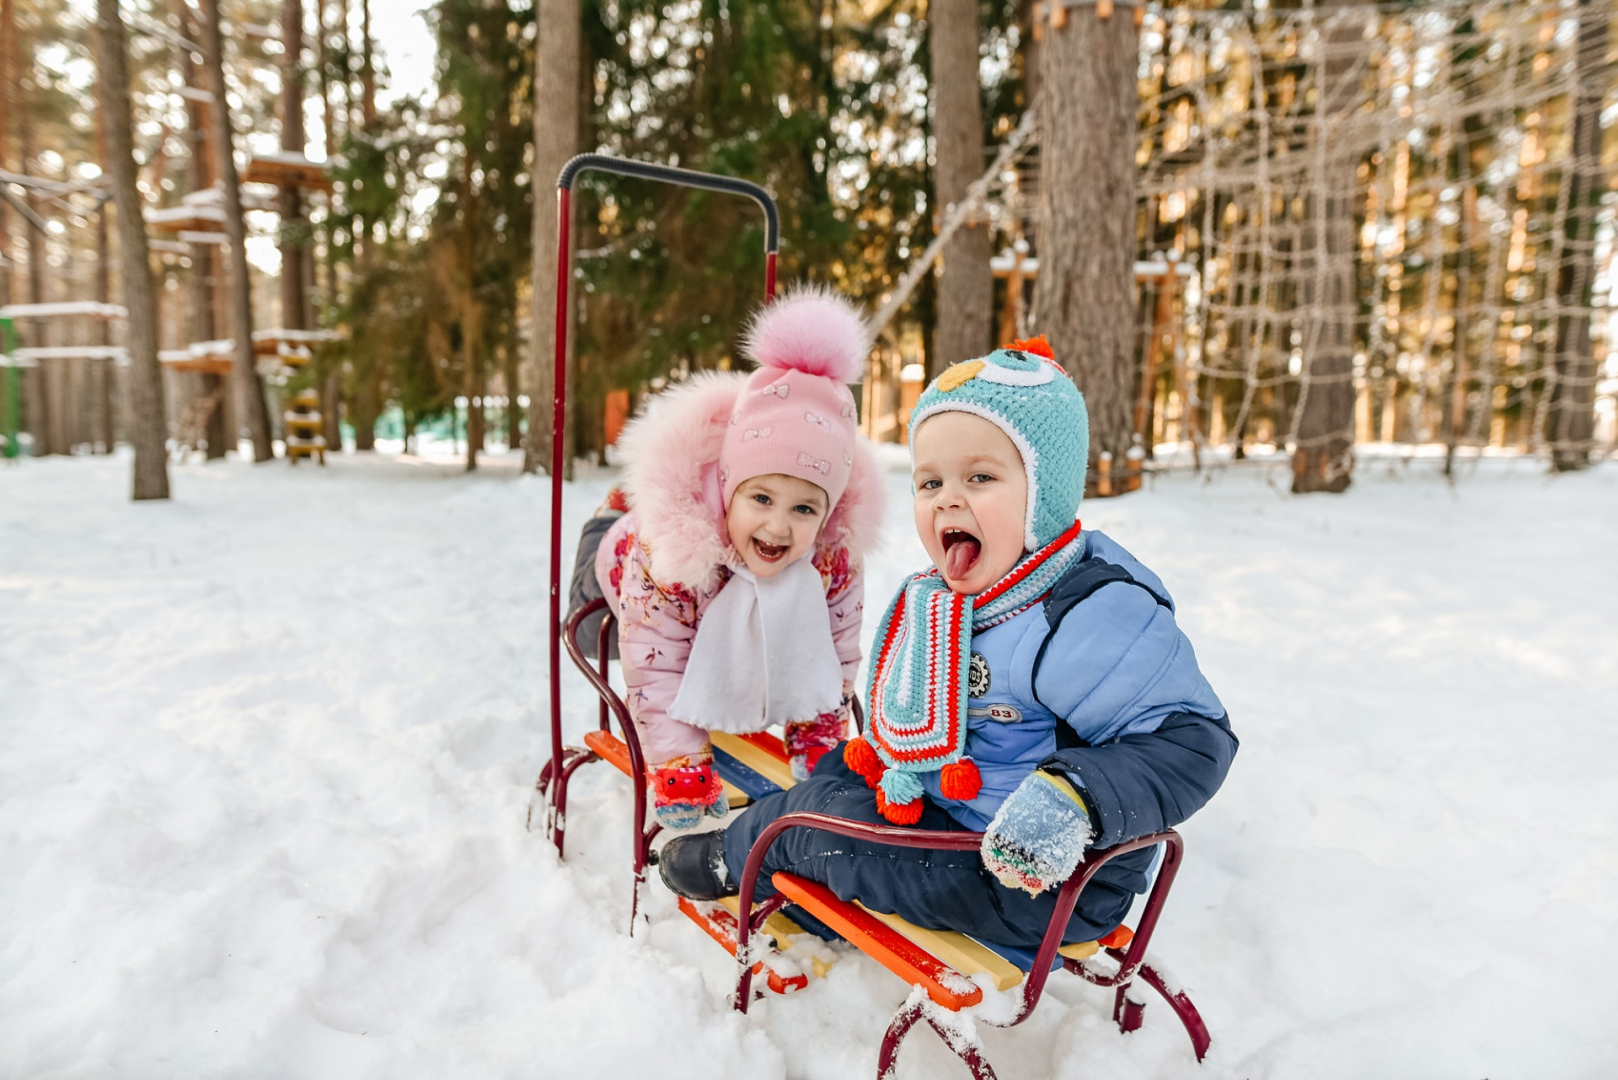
(977, 676)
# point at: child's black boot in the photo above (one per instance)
(694, 866)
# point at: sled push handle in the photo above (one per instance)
(669, 174)
(644, 170)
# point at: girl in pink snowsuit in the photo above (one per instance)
(736, 575)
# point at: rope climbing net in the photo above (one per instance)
(1408, 200)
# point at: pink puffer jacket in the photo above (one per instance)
(661, 565)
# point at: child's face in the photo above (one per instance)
(971, 496)
(773, 521)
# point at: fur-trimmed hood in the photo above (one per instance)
(671, 477)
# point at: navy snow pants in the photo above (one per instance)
(940, 890)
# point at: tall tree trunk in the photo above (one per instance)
(294, 290)
(99, 372)
(331, 382)
(38, 403)
(1084, 298)
(1323, 453)
(150, 434)
(966, 281)
(9, 98)
(475, 416)
(367, 378)
(1571, 421)
(367, 66)
(101, 436)
(367, 402)
(471, 316)
(250, 387)
(513, 372)
(202, 325)
(556, 139)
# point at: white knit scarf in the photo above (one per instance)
(763, 654)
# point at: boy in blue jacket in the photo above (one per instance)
(1033, 685)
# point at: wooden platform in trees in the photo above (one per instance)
(285, 169)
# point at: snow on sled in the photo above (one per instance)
(945, 970)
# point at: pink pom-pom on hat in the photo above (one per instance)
(812, 330)
(795, 414)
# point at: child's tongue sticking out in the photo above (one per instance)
(971, 499)
(961, 550)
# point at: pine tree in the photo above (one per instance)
(150, 436)
(965, 280)
(250, 388)
(1323, 459)
(1084, 301)
(556, 139)
(1571, 420)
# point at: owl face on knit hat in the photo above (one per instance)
(795, 415)
(1025, 393)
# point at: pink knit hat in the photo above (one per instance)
(795, 414)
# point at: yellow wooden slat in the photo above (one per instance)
(960, 952)
(759, 760)
(1079, 950)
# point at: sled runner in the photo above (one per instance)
(944, 969)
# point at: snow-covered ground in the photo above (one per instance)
(266, 753)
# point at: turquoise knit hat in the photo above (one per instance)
(1024, 392)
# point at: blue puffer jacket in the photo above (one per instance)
(1148, 741)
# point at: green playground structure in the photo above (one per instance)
(10, 392)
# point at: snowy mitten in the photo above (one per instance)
(808, 740)
(1039, 835)
(686, 789)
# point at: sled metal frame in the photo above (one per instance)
(1132, 960)
(887, 946)
(565, 760)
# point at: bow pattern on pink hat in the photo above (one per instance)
(795, 415)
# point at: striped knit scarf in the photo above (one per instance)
(918, 683)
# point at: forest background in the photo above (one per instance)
(432, 253)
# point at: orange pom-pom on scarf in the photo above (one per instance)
(860, 756)
(899, 813)
(960, 780)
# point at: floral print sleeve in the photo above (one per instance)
(657, 622)
(844, 580)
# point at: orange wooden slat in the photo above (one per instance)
(1118, 939)
(770, 744)
(722, 926)
(900, 955)
(609, 748)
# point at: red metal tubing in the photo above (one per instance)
(887, 1058)
(1068, 898)
(564, 271)
(564, 264)
(1183, 1008)
(642, 834)
(1129, 959)
(597, 679)
(602, 638)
